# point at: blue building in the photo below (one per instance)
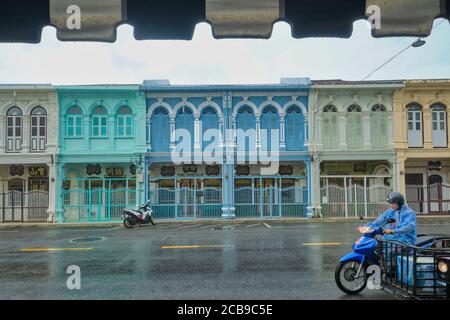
(228, 151)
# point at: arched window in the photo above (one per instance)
(245, 120)
(160, 130)
(74, 122)
(439, 125)
(378, 126)
(14, 130)
(354, 127)
(209, 120)
(270, 128)
(415, 125)
(99, 122)
(295, 124)
(185, 121)
(124, 122)
(38, 129)
(330, 130)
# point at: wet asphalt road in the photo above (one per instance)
(251, 260)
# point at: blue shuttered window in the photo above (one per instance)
(160, 130)
(270, 122)
(295, 124)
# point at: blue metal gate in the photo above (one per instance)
(97, 200)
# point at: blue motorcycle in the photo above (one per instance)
(351, 272)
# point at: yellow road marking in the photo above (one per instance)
(53, 249)
(319, 244)
(195, 247)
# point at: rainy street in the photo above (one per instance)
(208, 260)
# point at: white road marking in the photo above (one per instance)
(294, 227)
(253, 225)
(188, 226)
(166, 227)
(267, 226)
(210, 226)
(9, 231)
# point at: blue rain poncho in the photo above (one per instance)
(404, 228)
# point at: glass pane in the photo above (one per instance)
(104, 120)
(129, 131)
(42, 132)
(78, 133)
(120, 131)
(18, 132)
(434, 126)
(417, 125)
(442, 126)
(10, 132)
(42, 121)
(70, 131)
(103, 131)
(434, 115)
(129, 121)
(34, 131)
(33, 121)
(442, 115)
(10, 121)
(418, 116)
(18, 121)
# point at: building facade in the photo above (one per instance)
(102, 151)
(228, 151)
(421, 144)
(28, 145)
(352, 144)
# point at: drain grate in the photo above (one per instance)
(87, 239)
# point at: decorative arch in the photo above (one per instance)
(298, 104)
(212, 104)
(182, 104)
(275, 104)
(378, 107)
(99, 104)
(243, 103)
(74, 104)
(123, 103)
(29, 107)
(4, 109)
(414, 106)
(158, 104)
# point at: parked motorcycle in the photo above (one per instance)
(140, 216)
(351, 272)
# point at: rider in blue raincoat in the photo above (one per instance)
(404, 228)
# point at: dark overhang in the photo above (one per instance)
(97, 20)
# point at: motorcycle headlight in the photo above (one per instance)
(443, 267)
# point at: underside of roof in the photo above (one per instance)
(89, 20)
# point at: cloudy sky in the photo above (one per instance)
(205, 60)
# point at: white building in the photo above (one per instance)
(28, 145)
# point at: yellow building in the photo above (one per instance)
(421, 139)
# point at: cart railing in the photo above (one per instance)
(411, 271)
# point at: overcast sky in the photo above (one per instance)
(205, 60)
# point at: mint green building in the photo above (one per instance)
(100, 162)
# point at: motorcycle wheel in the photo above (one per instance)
(152, 221)
(345, 277)
(129, 222)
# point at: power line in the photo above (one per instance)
(398, 53)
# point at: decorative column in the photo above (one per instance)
(60, 175)
(26, 134)
(318, 134)
(367, 142)
(307, 142)
(52, 183)
(258, 133)
(426, 129)
(309, 208)
(111, 130)
(87, 131)
(197, 145)
(343, 131)
(228, 208)
(2, 132)
(315, 182)
(172, 132)
(282, 133)
(390, 129)
(149, 133)
(399, 174)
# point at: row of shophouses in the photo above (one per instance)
(299, 148)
